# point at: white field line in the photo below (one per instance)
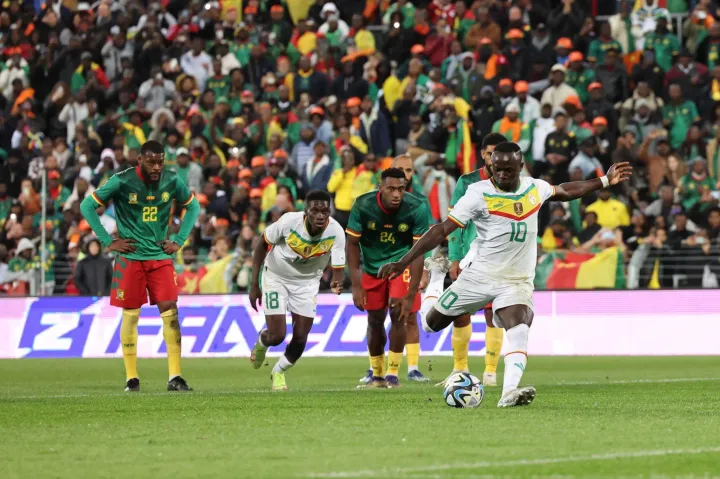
(417, 472)
(9, 397)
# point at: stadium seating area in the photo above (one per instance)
(259, 101)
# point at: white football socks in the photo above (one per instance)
(516, 359)
(282, 365)
(433, 291)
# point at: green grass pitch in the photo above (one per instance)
(593, 417)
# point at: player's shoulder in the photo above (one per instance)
(291, 218)
(366, 200)
(413, 200)
(126, 175)
(334, 228)
(469, 178)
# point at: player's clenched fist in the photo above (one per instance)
(391, 270)
(169, 247)
(255, 297)
(121, 245)
(336, 287)
(359, 298)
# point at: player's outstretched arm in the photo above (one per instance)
(617, 173)
(88, 209)
(353, 261)
(427, 242)
(192, 211)
(258, 258)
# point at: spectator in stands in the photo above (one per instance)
(93, 274)
(560, 148)
(341, 184)
(566, 19)
(613, 76)
(611, 212)
(558, 91)
(678, 115)
(585, 160)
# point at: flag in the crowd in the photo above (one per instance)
(212, 277)
(568, 270)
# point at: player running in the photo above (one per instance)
(461, 254)
(143, 197)
(504, 210)
(412, 346)
(383, 226)
(301, 245)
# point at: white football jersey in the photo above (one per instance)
(507, 227)
(297, 255)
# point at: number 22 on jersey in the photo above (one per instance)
(149, 214)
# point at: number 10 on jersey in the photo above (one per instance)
(518, 231)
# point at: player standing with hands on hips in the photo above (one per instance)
(504, 210)
(143, 197)
(301, 244)
(383, 225)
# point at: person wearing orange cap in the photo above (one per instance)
(323, 127)
(599, 105)
(57, 191)
(279, 26)
(529, 106)
(143, 198)
(287, 265)
(578, 76)
(603, 43)
(517, 54)
(562, 50)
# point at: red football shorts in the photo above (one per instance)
(133, 280)
(378, 292)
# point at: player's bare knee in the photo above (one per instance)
(376, 319)
(164, 306)
(462, 322)
(273, 339)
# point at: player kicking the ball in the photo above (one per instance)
(504, 211)
(301, 244)
(383, 226)
(143, 197)
(461, 254)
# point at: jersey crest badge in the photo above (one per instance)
(533, 201)
(402, 227)
(132, 198)
(165, 196)
(120, 294)
(307, 250)
(371, 225)
(518, 207)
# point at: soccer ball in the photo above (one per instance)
(463, 390)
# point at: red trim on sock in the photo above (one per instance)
(513, 352)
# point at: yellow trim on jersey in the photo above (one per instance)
(514, 207)
(353, 233)
(456, 221)
(97, 200)
(340, 266)
(192, 195)
(309, 249)
(266, 240)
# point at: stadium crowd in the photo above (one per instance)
(258, 102)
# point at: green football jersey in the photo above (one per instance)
(460, 240)
(386, 236)
(142, 210)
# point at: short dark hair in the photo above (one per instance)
(152, 147)
(493, 139)
(508, 147)
(318, 195)
(393, 173)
